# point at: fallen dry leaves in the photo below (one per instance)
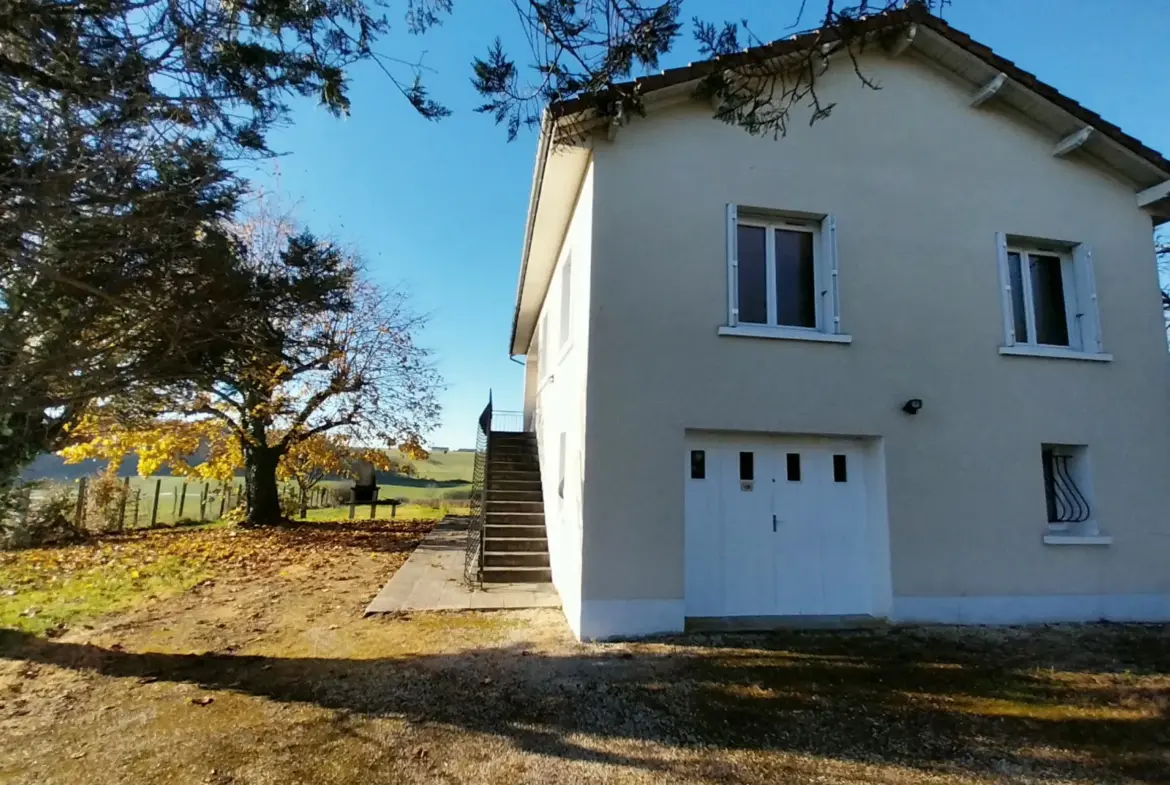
(44, 589)
(258, 549)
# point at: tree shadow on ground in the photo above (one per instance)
(1087, 705)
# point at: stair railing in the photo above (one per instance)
(473, 552)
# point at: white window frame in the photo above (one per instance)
(1081, 312)
(823, 228)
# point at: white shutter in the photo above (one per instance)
(1005, 288)
(732, 264)
(833, 305)
(1087, 309)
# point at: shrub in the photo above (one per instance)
(340, 495)
(28, 518)
(290, 501)
(106, 498)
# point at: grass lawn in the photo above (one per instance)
(267, 673)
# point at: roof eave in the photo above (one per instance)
(543, 147)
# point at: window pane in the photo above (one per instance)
(698, 464)
(1048, 299)
(752, 283)
(839, 469)
(1017, 281)
(796, 289)
(747, 468)
(793, 467)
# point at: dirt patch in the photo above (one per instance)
(275, 677)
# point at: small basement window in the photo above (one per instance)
(1068, 497)
(1064, 497)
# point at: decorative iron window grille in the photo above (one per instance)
(1066, 502)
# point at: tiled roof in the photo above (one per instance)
(888, 21)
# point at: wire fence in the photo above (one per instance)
(136, 503)
(45, 512)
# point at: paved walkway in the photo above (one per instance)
(432, 580)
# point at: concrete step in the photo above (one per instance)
(510, 464)
(517, 575)
(514, 518)
(516, 544)
(515, 495)
(501, 505)
(521, 459)
(513, 475)
(511, 531)
(514, 559)
(525, 447)
(513, 448)
(514, 485)
(497, 437)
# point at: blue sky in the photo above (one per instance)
(439, 208)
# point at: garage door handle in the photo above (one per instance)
(773, 523)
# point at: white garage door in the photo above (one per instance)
(776, 527)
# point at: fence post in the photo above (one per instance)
(182, 498)
(203, 503)
(79, 513)
(137, 502)
(374, 505)
(154, 506)
(352, 502)
(122, 503)
(222, 498)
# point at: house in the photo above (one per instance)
(908, 363)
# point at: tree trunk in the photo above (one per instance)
(262, 489)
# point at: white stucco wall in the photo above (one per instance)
(555, 383)
(919, 183)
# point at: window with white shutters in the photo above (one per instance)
(1049, 298)
(782, 275)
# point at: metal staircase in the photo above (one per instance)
(506, 539)
(515, 542)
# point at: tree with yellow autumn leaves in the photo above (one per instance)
(204, 449)
(318, 368)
